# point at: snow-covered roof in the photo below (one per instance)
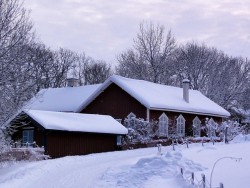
(162, 97)
(64, 121)
(66, 99)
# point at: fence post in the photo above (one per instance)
(202, 142)
(226, 136)
(182, 171)
(173, 144)
(221, 185)
(203, 180)
(192, 175)
(159, 149)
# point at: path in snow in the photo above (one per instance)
(142, 168)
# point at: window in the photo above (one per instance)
(163, 125)
(28, 136)
(211, 128)
(197, 127)
(181, 126)
(131, 115)
(119, 140)
(131, 120)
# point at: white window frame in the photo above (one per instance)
(180, 126)
(28, 136)
(118, 140)
(163, 125)
(210, 128)
(196, 127)
(131, 115)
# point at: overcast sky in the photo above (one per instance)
(104, 28)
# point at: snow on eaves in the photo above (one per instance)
(162, 97)
(66, 99)
(64, 121)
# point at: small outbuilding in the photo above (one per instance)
(62, 134)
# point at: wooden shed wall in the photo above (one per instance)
(61, 143)
(116, 102)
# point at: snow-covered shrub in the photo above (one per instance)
(139, 130)
(5, 141)
(230, 129)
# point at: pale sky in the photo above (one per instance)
(105, 28)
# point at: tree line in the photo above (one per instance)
(27, 65)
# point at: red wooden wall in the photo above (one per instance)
(115, 102)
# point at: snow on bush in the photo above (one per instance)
(139, 130)
(241, 138)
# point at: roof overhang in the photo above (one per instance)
(189, 112)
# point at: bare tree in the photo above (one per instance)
(96, 72)
(151, 57)
(64, 60)
(79, 67)
(228, 81)
(15, 33)
(194, 61)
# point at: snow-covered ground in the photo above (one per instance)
(136, 168)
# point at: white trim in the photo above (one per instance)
(196, 122)
(148, 114)
(130, 115)
(187, 112)
(163, 131)
(211, 131)
(181, 126)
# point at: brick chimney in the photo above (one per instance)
(185, 83)
(72, 82)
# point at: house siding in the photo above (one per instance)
(115, 102)
(66, 143)
(61, 143)
(155, 114)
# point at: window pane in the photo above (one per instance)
(28, 136)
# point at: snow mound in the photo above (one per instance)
(241, 138)
(145, 170)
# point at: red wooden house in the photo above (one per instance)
(170, 106)
(181, 109)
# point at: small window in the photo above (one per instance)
(181, 126)
(28, 136)
(197, 127)
(119, 140)
(131, 120)
(131, 115)
(163, 125)
(211, 128)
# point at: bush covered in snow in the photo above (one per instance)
(13, 155)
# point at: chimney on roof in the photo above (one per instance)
(72, 82)
(185, 83)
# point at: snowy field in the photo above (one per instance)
(142, 168)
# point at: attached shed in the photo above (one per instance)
(64, 134)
